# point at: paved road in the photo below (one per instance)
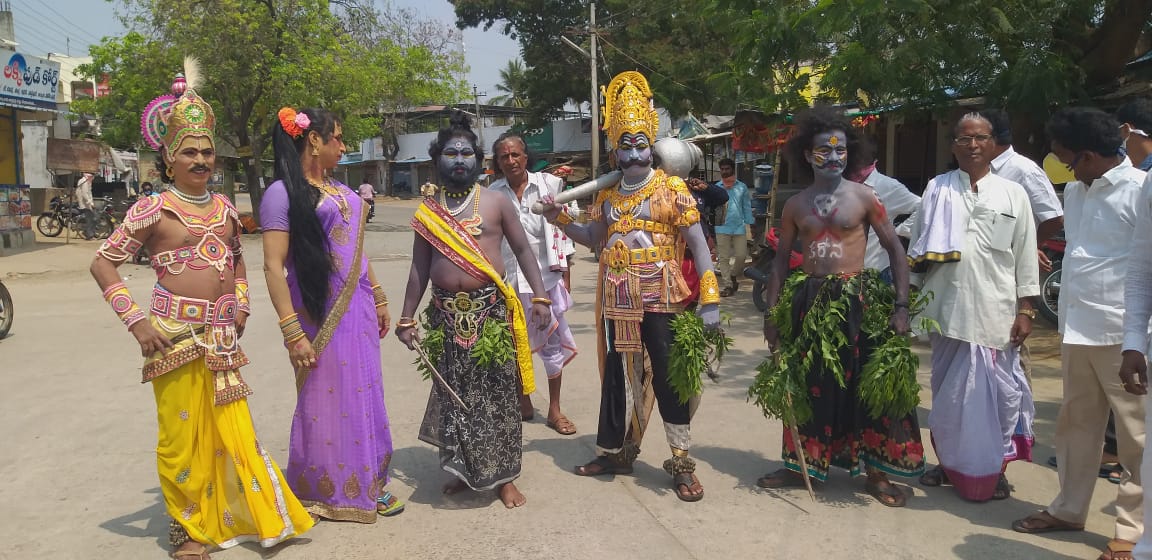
(79, 481)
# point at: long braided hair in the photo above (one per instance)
(307, 241)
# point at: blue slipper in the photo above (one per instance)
(392, 505)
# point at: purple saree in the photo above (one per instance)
(341, 444)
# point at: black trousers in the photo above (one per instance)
(656, 335)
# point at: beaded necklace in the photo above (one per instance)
(473, 224)
(629, 202)
(198, 200)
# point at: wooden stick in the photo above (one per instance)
(799, 450)
(436, 374)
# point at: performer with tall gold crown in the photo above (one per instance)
(220, 486)
(644, 223)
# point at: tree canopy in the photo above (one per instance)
(672, 42)
(512, 86)
(715, 55)
(260, 55)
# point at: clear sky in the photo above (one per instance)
(69, 26)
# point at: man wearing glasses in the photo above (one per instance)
(974, 247)
(1103, 210)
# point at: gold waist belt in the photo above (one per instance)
(628, 223)
(619, 256)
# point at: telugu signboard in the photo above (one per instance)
(28, 81)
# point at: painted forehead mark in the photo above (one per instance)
(834, 140)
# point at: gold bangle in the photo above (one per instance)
(709, 288)
(562, 219)
(289, 319)
(543, 300)
(405, 322)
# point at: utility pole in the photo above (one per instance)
(479, 116)
(594, 99)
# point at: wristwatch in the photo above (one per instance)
(1031, 313)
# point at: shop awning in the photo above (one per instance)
(65, 155)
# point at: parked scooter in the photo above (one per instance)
(1050, 284)
(5, 311)
(761, 272)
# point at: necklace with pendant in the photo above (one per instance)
(472, 224)
(334, 192)
(198, 200)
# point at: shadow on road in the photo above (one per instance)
(981, 547)
(153, 519)
(419, 468)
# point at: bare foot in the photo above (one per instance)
(527, 411)
(511, 496)
(454, 486)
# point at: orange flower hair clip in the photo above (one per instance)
(292, 122)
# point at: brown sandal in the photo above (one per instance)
(885, 492)
(782, 478)
(689, 483)
(201, 554)
(1117, 550)
(562, 425)
(1043, 522)
(602, 466)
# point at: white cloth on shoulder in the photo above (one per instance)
(942, 213)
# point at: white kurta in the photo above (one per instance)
(1019, 169)
(536, 228)
(897, 201)
(974, 299)
(1099, 225)
(981, 404)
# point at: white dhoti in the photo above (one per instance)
(982, 413)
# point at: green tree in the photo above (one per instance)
(513, 86)
(673, 43)
(260, 55)
(1026, 55)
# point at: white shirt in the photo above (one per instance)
(897, 201)
(1099, 223)
(84, 193)
(539, 184)
(974, 299)
(1024, 172)
(1138, 286)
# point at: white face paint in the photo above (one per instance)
(457, 162)
(829, 154)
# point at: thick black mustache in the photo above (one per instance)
(199, 168)
(635, 163)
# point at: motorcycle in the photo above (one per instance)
(1050, 284)
(761, 272)
(5, 311)
(60, 214)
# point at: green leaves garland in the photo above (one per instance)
(432, 343)
(887, 384)
(693, 346)
(495, 344)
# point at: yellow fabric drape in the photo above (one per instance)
(217, 480)
(454, 241)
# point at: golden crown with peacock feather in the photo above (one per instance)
(169, 119)
(628, 108)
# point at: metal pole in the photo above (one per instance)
(479, 117)
(595, 98)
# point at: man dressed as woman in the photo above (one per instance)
(332, 315)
